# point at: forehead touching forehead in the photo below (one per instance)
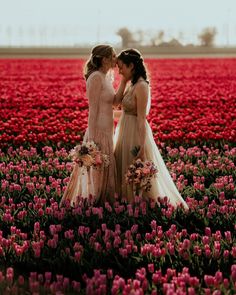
(120, 63)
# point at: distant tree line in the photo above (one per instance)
(128, 38)
(42, 35)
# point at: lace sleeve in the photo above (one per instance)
(94, 88)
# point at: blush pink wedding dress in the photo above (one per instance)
(99, 183)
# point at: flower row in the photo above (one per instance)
(44, 101)
(147, 281)
(198, 172)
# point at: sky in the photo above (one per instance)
(83, 22)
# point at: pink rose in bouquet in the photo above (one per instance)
(146, 171)
(98, 159)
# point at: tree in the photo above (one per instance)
(126, 36)
(157, 38)
(139, 35)
(207, 37)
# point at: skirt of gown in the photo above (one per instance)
(126, 138)
(97, 183)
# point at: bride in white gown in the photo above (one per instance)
(133, 130)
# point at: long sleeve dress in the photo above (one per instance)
(99, 183)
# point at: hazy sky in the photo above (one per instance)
(68, 22)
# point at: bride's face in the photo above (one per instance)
(125, 70)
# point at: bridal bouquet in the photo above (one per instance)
(89, 155)
(140, 174)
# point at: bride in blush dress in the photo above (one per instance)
(133, 131)
(99, 183)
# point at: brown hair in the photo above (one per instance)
(133, 56)
(95, 60)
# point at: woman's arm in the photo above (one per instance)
(94, 88)
(142, 100)
(120, 92)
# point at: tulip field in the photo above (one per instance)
(119, 248)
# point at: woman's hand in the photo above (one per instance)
(124, 80)
(120, 92)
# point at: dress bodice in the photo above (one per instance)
(101, 99)
(129, 103)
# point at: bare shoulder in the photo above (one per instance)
(142, 87)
